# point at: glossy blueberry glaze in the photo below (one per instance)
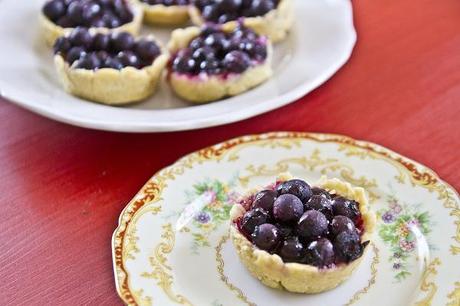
(309, 231)
(215, 52)
(84, 50)
(88, 13)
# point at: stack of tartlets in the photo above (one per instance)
(300, 238)
(99, 56)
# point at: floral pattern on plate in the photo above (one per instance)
(157, 257)
(400, 226)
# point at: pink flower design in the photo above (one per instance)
(232, 197)
(413, 222)
(213, 195)
(406, 246)
(397, 209)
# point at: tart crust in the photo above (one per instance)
(301, 278)
(51, 31)
(275, 24)
(111, 86)
(163, 15)
(204, 88)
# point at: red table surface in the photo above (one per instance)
(62, 187)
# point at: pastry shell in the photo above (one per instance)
(163, 15)
(301, 278)
(275, 24)
(111, 86)
(50, 31)
(204, 88)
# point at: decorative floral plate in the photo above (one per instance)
(320, 43)
(172, 247)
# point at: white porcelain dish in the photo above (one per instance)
(320, 43)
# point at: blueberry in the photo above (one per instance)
(261, 7)
(344, 207)
(105, 3)
(202, 54)
(210, 66)
(90, 10)
(265, 199)
(266, 237)
(197, 43)
(229, 5)
(320, 253)
(121, 41)
(65, 22)
(312, 225)
(236, 61)
(286, 230)
(321, 192)
(200, 4)
(128, 58)
(287, 208)
(342, 224)
(122, 10)
(347, 246)
(110, 20)
(243, 32)
(259, 52)
(100, 42)
(74, 54)
(218, 41)
(234, 44)
(211, 13)
(226, 17)
(147, 50)
(253, 218)
(102, 56)
(209, 29)
(81, 37)
(113, 62)
(292, 250)
(54, 9)
(183, 63)
(296, 187)
(75, 12)
(246, 45)
(62, 45)
(89, 61)
(320, 204)
(98, 23)
(246, 3)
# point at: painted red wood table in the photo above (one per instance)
(62, 188)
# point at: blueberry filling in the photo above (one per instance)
(216, 52)
(84, 50)
(304, 224)
(88, 13)
(167, 2)
(221, 11)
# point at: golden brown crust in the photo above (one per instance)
(51, 31)
(206, 88)
(275, 24)
(163, 15)
(111, 86)
(294, 277)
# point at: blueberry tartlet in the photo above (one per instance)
(59, 17)
(209, 63)
(272, 18)
(300, 238)
(165, 12)
(114, 68)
